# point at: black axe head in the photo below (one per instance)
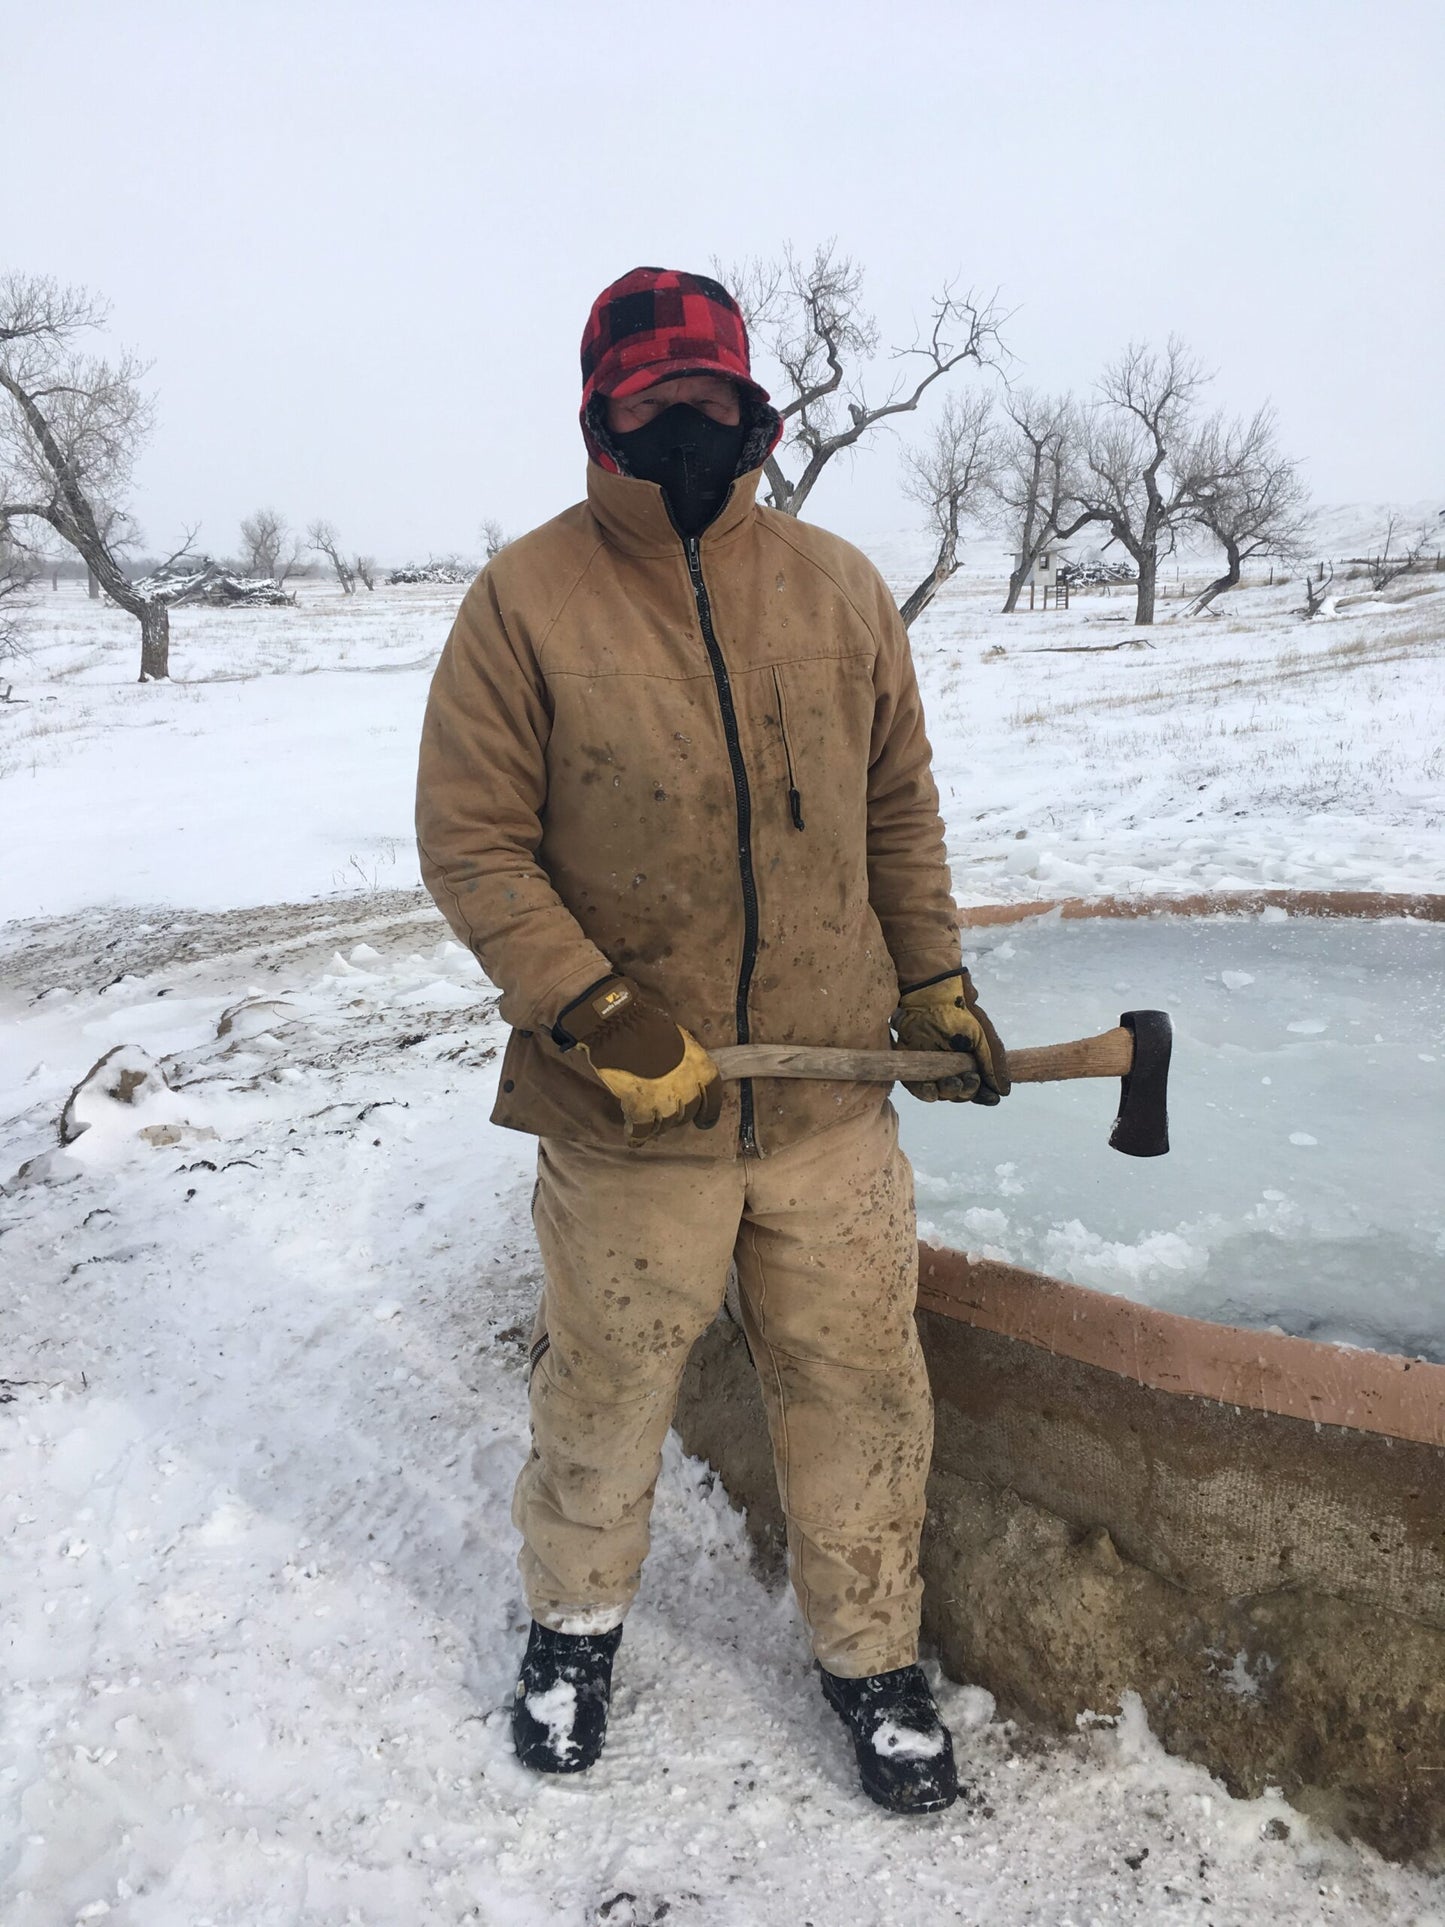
(1141, 1130)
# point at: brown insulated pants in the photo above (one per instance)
(637, 1250)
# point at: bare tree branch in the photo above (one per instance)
(807, 314)
(946, 477)
(1389, 563)
(1317, 593)
(183, 553)
(19, 568)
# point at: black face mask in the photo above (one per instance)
(692, 458)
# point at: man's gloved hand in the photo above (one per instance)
(659, 1073)
(945, 1015)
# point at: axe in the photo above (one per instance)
(1136, 1052)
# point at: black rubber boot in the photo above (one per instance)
(559, 1714)
(905, 1752)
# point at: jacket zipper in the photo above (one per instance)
(795, 795)
(747, 1130)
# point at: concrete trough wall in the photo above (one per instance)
(1246, 1529)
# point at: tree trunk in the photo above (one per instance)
(1030, 540)
(155, 642)
(1229, 580)
(944, 566)
(1144, 600)
(922, 595)
(92, 584)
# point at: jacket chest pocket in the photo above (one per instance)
(817, 718)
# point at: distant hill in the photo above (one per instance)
(1358, 528)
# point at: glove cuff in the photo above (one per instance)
(581, 1020)
(619, 1027)
(927, 983)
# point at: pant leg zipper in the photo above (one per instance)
(747, 1128)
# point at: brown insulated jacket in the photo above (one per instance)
(702, 764)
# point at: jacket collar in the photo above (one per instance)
(634, 516)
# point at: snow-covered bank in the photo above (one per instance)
(266, 1404)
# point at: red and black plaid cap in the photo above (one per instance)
(657, 323)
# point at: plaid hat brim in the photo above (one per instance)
(637, 379)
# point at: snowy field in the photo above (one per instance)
(264, 1349)
(1249, 749)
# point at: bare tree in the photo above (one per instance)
(1035, 478)
(808, 315)
(946, 478)
(71, 425)
(1387, 567)
(268, 546)
(18, 570)
(1137, 474)
(322, 539)
(365, 567)
(493, 538)
(1247, 495)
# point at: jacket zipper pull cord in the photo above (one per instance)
(795, 795)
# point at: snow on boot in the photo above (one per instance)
(905, 1752)
(559, 1714)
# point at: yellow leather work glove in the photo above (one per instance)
(659, 1073)
(946, 1015)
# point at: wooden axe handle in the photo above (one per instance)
(1110, 1054)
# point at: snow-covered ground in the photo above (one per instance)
(265, 1331)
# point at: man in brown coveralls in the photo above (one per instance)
(675, 793)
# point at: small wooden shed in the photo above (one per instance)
(1044, 575)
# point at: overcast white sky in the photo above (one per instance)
(358, 241)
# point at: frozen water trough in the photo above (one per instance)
(1191, 1410)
